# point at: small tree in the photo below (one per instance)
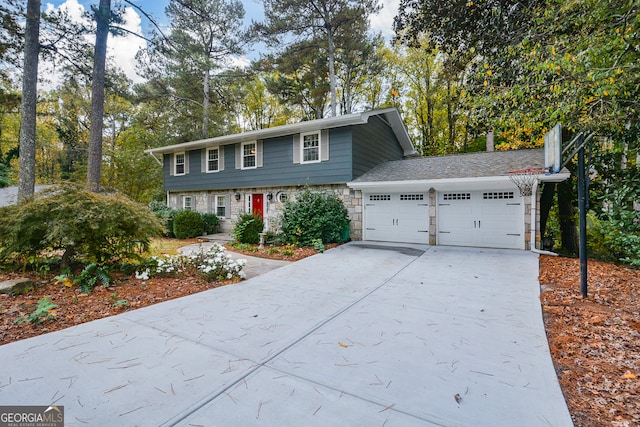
(312, 216)
(99, 227)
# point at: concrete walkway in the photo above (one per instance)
(361, 335)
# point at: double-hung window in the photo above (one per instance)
(310, 146)
(221, 205)
(249, 152)
(187, 203)
(179, 164)
(213, 160)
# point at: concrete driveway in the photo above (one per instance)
(361, 335)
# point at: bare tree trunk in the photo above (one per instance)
(27, 174)
(332, 68)
(546, 202)
(451, 117)
(205, 104)
(103, 16)
(567, 217)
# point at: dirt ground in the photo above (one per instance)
(594, 342)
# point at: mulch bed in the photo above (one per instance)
(594, 342)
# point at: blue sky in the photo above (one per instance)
(123, 49)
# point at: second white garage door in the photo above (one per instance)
(397, 217)
(492, 219)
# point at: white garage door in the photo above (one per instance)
(493, 219)
(397, 217)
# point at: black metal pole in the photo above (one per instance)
(582, 208)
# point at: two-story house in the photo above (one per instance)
(368, 160)
(258, 170)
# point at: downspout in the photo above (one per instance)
(156, 159)
(534, 205)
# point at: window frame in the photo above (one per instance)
(208, 159)
(244, 156)
(217, 205)
(303, 149)
(183, 164)
(184, 203)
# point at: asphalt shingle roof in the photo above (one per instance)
(471, 165)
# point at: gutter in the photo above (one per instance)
(390, 114)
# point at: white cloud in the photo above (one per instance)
(383, 21)
(121, 50)
(72, 7)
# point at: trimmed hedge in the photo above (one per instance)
(188, 224)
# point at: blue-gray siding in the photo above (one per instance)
(353, 150)
(278, 167)
(372, 145)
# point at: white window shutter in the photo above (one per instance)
(221, 158)
(296, 148)
(186, 163)
(227, 206)
(172, 164)
(259, 153)
(324, 145)
(203, 160)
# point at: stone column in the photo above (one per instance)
(433, 226)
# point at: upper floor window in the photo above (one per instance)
(310, 147)
(179, 164)
(213, 160)
(249, 152)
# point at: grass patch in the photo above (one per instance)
(166, 246)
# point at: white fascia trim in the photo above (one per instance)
(438, 184)
(477, 183)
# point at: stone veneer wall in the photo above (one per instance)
(203, 202)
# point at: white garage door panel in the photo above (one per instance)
(455, 226)
(378, 222)
(481, 218)
(396, 217)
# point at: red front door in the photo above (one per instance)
(257, 205)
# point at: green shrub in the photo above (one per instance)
(188, 224)
(314, 216)
(616, 239)
(166, 215)
(248, 228)
(211, 222)
(98, 227)
(212, 263)
(5, 180)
